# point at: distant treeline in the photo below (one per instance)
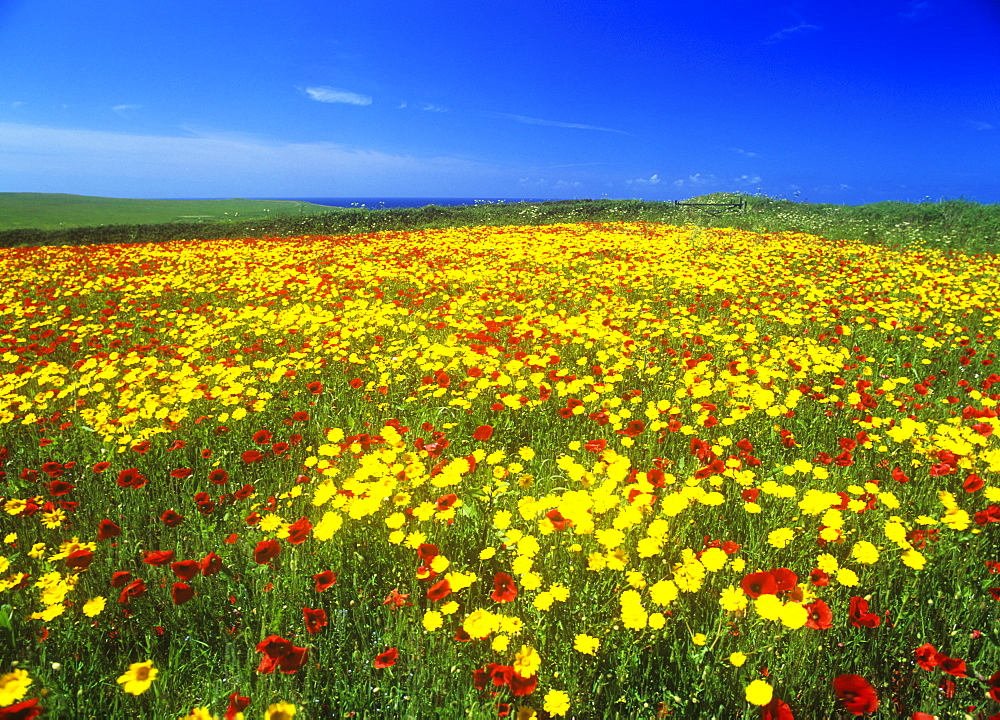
(954, 224)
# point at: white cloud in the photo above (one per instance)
(979, 125)
(747, 180)
(552, 123)
(696, 180)
(790, 32)
(745, 153)
(334, 95)
(125, 110)
(218, 165)
(653, 179)
(917, 10)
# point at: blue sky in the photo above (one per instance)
(844, 102)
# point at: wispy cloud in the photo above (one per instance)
(430, 107)
(980, 125)
(653, 179)
(744, 153)
(125, 110)
(696, 180)
(917, 10)
(335, 95)
(791, 32)
(552, 123)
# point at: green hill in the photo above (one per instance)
(53, 211)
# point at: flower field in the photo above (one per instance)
(580, 470)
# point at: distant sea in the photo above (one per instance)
(406, 202)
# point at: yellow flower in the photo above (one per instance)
(449, 608)
(737, 659)
(780, 538)
(500, 643)
(280, 711)
(432, 620)
(865, 552)
(201, 713)
(714, 559)
(793, 615)
(487, 553)
(699, 638)
(94, 606)
(13, 687)
(556, 702)
(138, 678)
(586, 644)
(759, 693)
(527, 661)
(768, 607)
(733, 599)
(657, 621)
(846, 576)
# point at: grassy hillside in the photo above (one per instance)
(53, 211)
(949, 224)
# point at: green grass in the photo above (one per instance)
(55, 211)
(946, 224)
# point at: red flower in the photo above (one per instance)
(445, 501)
(210, 564)
(523, 685)
(776, 710)
(158, 557)
(280, 653)
(596, 446)
(266, 551)
(107, 529)
(185, 569)
(237, 704)
(634, 427)
(25, 710)
(315, 387)
(952, 666)
(315, 619)
(427, 552)
(784, 578)
(60, 487)
(301, 416)
(181, 473)
(325, 580)
(244, 492)
(298, 531)
(860, 617)
(171, 518)
(504, 588)
(855, 693)
(440, 589)
(181, 593)
(101, 466)
(972, 483)
(820, 615)
(927, 656)
(483, 432)
(131, 478)
(386, 659)
(355, 383)
(819, 578)
(252, 456)
(500, 674)
(994, 685)
(759, 583)
(121, 578)
(218, 476)
(396, 599)
(178, 445)
(134, 589)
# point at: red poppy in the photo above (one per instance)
(280, 653)
(634, 427)
(301, 416)
(855, 693)
(759, 583)
(386, 659)
(178, 445)
(952, 666)
(784, 579)
(181, 473)
(252, 456)
(994, 686)
(158, 557)
(101, 466)
(107, 529)
(315, 619)
(25, 710)
(185, 569)
(504, 588)
(171, 518)
(266, 551)
(427, 552)
(315, 387)
(121, 578)
(859, 615)
(218, 476)
(134, 589)
(210, 564)
(927, 656)
(181, 593)
(237, 704)
(819, 578)
(262, 437)
(483, 432)
(231, 538)
(972, 483)
(776, 710)
(325, 580)
(556, 518)
(446, 501)
(132, 478)
(244, 492)
(820, 615)
(356, 383)
(440, 589)
(500, 674)
(79, 559)
(396, 599)
(596, 446)
(60, 487)
(298, 531)
(523, 685)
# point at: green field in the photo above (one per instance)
(52, 211)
